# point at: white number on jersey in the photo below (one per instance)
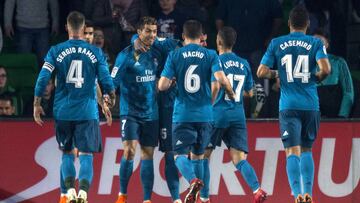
(240, 79)
(192, 80)
(301, 69)
(75, 74)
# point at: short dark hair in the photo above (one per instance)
(146, 20)
(228, 36)
(75, 20)
(192, 29)
(6, 97)
(89, 23)
(299, 17)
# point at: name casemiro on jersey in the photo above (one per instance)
(297, 43)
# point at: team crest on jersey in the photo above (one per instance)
(156, 62)
(114, 71)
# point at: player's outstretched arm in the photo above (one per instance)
(164, 83)
(224, 82)
(38, 111)
(265, 72)
(324, 69)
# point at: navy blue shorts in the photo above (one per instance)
(146, 132)
(193, 137)
(84, 135)
(299, 127)
(234, 136)
(165, 124)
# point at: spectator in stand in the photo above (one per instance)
(118, 18)
(336, 92)
(89, 32)
(6, 106)
(6, 89)
(256, 23)
(101, 42)
(32, 24)
(170, 20)
(46, 102)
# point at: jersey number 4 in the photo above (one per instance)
(301, 69)
(75, 74)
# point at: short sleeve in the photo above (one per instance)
(215, 62)
(118, 70)
(49, 62)
(269, 56)
(169, 69)
(320, 51)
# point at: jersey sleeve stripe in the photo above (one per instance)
(48, 66)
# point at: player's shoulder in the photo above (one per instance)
(126, 51)
(243, 61)
(278, 40)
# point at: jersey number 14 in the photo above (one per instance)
(301, 69)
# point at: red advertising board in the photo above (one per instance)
(30, 160)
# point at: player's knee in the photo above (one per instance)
(295, 150)
(73, 151)
(237, 156)
(207, 153)
(147, 153)
(129, 153)
(196, 156)
(306, 149)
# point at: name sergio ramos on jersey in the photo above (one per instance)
(79, 50)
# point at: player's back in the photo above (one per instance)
(76, 71)
(238, 72)
(194, 66)
(296, 56)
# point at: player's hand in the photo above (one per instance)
(9, 31)
(38, 111)
(231, 95)
(140, 47)
(106, 111)
(173, 82)
(109, 99)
